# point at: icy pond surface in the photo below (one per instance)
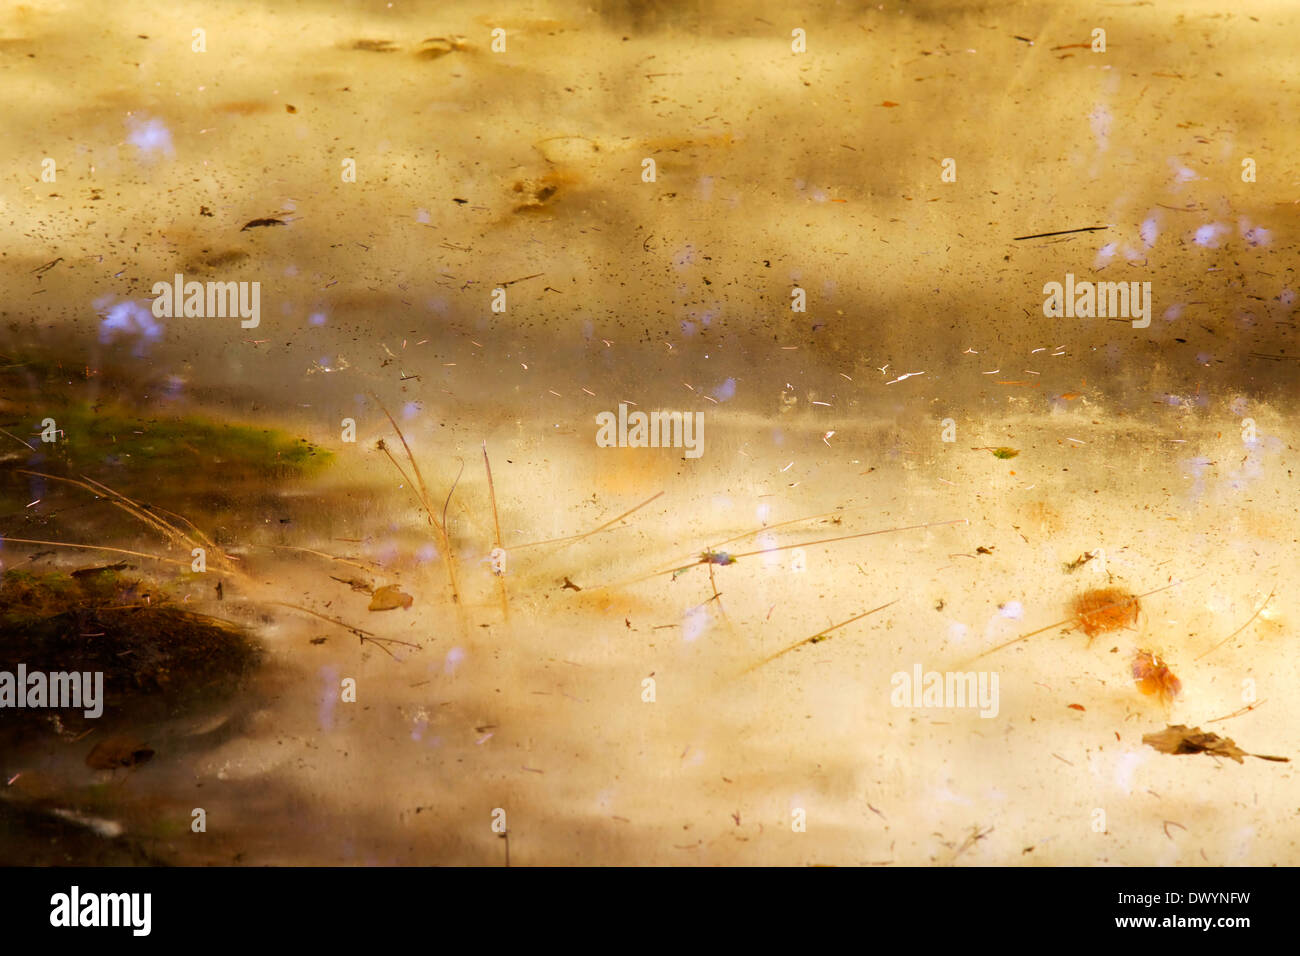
(661, 655)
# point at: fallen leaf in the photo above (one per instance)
(1004, 452)
(389, 597)
(889, 103)
(1075, 706)
(1178, 739)
(255, 223)
(115, 752)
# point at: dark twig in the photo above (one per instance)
(1061, 232)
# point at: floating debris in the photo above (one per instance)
(716, 557)
(374, 46)
(1179, 739)
(389, 598)
(255, 223)
(1259, 610)
(1098, 610)
(116, 753)
(1080, 561)
(536, 193)
(1154, 678)
(1059, 232)
(101, 569)
(1094, 611)
(817, 638)
(436, 47)
(356, 584)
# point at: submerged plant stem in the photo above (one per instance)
(422, 491)
(820, 635)
(496, 522)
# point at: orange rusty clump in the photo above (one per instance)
(1154, 678)
(1104, 609)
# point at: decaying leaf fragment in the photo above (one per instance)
(267, 221)
(389, 597)
(1154, 678)
(356, 584)
(118, 752)
(1098, 610)
(1180, 739)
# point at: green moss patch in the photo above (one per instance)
(100, 433)
(109, 441)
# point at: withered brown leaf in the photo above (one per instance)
(120, 751)
(1180, 739)
(389, 597)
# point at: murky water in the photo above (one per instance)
(465, 239)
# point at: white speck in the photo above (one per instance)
(901, 377)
